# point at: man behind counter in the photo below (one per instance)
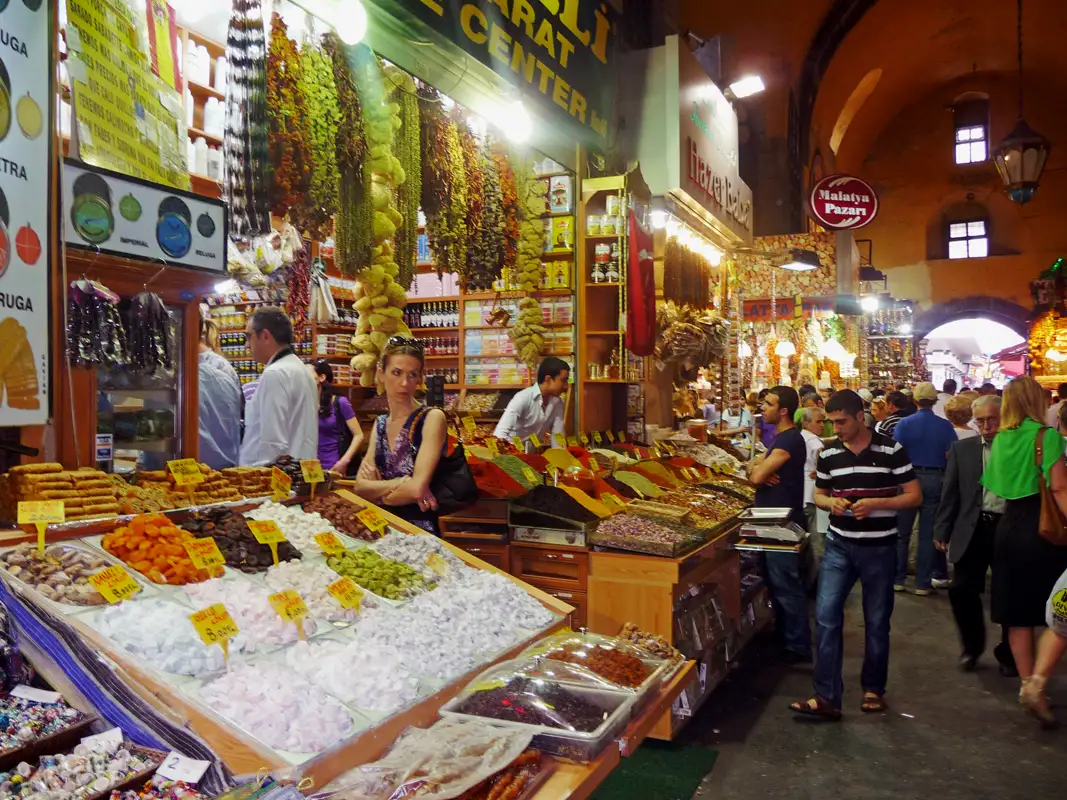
(537, 409)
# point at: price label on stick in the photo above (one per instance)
(536, 442)
(41, 513)
(553, 471)
(622, 436)
(291, 607)
(491, 445)
(515, 440)
(583, 439)
(267, 532)
(214, 625)
(280, 485)
(312, 471)
(612, 502)
(530, 475)
(561, 440)
(611, 437)
(469, 425)
(186, 472)
(572, 441)
(329, 543)
(345, 592)
(115, 584)
(598, 438)
(204, 553)
(372, 519)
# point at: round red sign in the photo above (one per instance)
(842, 202)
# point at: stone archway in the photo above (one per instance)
(1011, 315)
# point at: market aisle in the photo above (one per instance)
(967, 738)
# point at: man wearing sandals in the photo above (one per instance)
(863, 479)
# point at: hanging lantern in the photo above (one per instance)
(785, 348)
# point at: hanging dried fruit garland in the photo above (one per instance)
(528, 334)
(475, 175)
(685, 275)
(289, 139)
(509, 204)
(315, 213)
(408, 151)
(297, 301)
(486, 253)
(245, 153)
(436, 189)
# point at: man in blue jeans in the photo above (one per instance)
(927, 438)
(863, 479)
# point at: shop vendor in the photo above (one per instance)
(538, 409)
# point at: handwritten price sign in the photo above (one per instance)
(115, 584)
(280, 484)
(186, 472)
(50, 512)
(346, 593)
(266, 531)
(329, 543)
(289, 605)
(312, 471)
(215, 625)
(204, 553)
(372, 519)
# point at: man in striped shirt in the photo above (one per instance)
(862, 478)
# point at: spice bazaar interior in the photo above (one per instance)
(381, 390)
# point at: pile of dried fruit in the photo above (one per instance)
(153, 546)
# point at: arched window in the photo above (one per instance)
(971, 117)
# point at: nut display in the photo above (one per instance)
(61, 573)
(152, 545)
(710, 507)
(653, 644)
(535, 703)
(342, 514)
(382, 576)
(238, 545)
(620, 668)
(631, 532)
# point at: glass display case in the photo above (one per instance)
(141, 412)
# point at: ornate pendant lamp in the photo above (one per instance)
(1021, 157)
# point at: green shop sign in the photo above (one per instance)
(562, 50)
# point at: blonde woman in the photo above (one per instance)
(1025, 565)
(958, 412)
(879, 410)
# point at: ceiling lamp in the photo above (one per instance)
(1021, 157)
(351, 23)
(833, 350)
(801, 260)
(516, 123)
(1052, 354)
(869, 303)
(785, 348)
(747, 86)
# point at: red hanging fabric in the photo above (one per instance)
(640, 292)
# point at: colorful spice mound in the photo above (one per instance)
(555, 501)
(617, 667)
(152, 545)
(640, 483)
(536, 703)
(517, 469)
(619, 487)
(493, 481)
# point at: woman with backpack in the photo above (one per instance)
(339, 433)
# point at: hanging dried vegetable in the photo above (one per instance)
(379, 298)
(407, 149)
(436, 190)
(352, 224)
(475, 174)
(486, 253)
(685, 275)
(148, 334)
(447, 228)
(95, 331)
(298, 300)
(320, 96)
(690, 337)
(509, 204)
(287, 117)
(246, 159)
(528, 334)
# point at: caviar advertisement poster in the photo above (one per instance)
(25, 141)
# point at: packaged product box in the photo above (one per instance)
(562, 234)
(562, 277)
(549, 241)
(473, 344)
(560, 194)
(423, 249)
(546, 275)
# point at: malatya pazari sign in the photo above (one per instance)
(563, 49)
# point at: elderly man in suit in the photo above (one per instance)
(965, 527)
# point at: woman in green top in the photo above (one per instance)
(1025, 565)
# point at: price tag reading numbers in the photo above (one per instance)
(176, 767)
(553, 470)
(622, 436)
(572, 441)
(106, 742)
(453, 432)
(530, 475)
(204, 553)
(312, 471)
(280, 485)
(469, 425)
(329, 543)
(611, 437)
(561, 440)
(536, 442)
(49, 512)
(372, 519)
(597, 437)
(115, 584)
(214, 624)
(583, 439)
(186, 471)
(491, 445)
(515, 440)
(437, 563)
(289, 605)
(266, 531)
(346, 593)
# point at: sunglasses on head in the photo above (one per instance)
(404, 341)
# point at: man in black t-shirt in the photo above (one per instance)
(780, 478)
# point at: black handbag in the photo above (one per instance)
(452, 484)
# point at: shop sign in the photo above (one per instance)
(26, 125)
(123, 216)
(760, 309)
(843, 202)
(563, 51)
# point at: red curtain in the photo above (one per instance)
(640, 292)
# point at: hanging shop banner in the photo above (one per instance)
(135, 219)
(842, 202)
(25, 145)
(561, 51)
(760, 309)
(126, 118)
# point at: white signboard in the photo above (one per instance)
(25, 125)
(144, 221)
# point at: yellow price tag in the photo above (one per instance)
(536, 442)
(622, 436)
(346, 593)
(329, 543)
(515, 440)
(611, 437)
(280, 484)
(530, 475)
(561, 440)
(453, 432)
(597, 437)
(491, 445)
(611, 501)
(372, 519)
(289, 605)
(312, 471)
(204, 553)
(469, 425)
(553, 471)
(215, 626)
(115, 584)
(186, 472)
(50, 512)
(437, 563)
(572, 441)
(583, 439)
(266, 531)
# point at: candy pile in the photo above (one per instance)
(238, 545)
(23, 721)
(161, 633)
(159, 788)
(342, 514)
(291, 467)
(86, 493)
(311, 582)
(300, 527)
(283, 710)
(76, 775)
(250, 608)
(152, 545)
(383, 576)
(415, 551)
(61, 573)
(371, 678)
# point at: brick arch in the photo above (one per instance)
(1011, 315)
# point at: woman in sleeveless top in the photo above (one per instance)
(406, 444)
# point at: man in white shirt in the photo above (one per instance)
(814, 420)
(1052, 416)
(538, 409)
(948, 390)
(282, 416)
